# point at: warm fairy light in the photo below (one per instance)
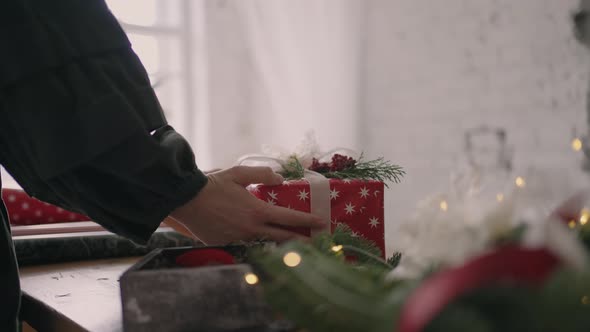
(576, 144)
(584, 216)
(251, 279)
(572, 224)
(292, 259)
(585, 300)
(500, 197)
(336, 248)
(520, 182)
(444, 206)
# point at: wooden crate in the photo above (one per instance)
(159, 296)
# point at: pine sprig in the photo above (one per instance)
(365, 252)
(395, 259)
(343, 235)
(326, 294)
(379, 169)
(293, 169)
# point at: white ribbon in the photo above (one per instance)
(319, 185)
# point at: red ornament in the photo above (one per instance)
(339, 163)
(505, 264)
(204, 257)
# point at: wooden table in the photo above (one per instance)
(73, 297)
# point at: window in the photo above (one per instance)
(160, 33)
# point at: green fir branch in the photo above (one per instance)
(293, 169)
(394, 260)
(379, 170)
(343, 235)
(326, 294)
(364, 251)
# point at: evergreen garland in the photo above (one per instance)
(326, 293)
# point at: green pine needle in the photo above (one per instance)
(394, 260)
(326, 294)
(378, 170)
(293, 169)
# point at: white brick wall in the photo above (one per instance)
(438, 68)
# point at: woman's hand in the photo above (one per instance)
(224, 211)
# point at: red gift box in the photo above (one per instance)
(356, 203)
(25, 210)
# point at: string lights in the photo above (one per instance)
(520, 182)
(292, 259)
(577, 144)
(337, 248)
(251, 278)
(584, 216)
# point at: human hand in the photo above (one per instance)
(224, 211)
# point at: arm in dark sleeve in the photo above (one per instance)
(90, 136)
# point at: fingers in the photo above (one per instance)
(245, 175)
(287, 217)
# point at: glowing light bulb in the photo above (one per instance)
(520, 182)
(336, 248)
(251, 279)
(572, 224)
(584, 216)
(292, 259)
(576, 144)
(500, 197)
(444, 206)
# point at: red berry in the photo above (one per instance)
(316, 166)
(340, 163)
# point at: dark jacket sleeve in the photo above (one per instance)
(87, 133)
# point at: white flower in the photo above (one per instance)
(468, 222)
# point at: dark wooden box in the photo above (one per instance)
(159, 296)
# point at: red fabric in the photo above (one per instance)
(204, 257)
(25, 210)
(356, 203)
(506, 264)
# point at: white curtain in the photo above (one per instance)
(276, 69)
